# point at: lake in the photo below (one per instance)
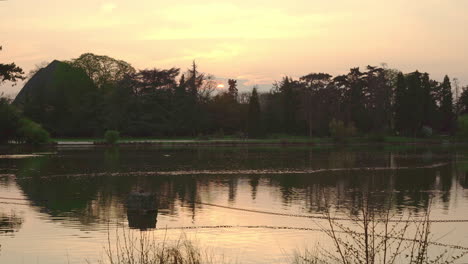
(248, 204)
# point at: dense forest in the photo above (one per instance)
(91, 94)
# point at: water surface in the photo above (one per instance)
(58, 205)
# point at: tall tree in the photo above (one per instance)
(463, 101)
(379, 99)
(401, 105)
(446, 106)
(289, 104)
(233, 92)
(429, 107)
(319, 102)
(254, 126)
(414, 108)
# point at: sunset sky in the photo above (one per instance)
(255, 41)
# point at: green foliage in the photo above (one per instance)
(463, 101)
(32, 133)
(10, 72)
(340, 132)
(427, 131)
(103, 70)
(88, 95)
(15, 127)
(59, 98)
(254, 126)
(420, 101)
(446, 106)
(111, 136)
(9, 121)
(462, 126)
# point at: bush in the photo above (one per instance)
(427, 131)
(219, 133)
(111, 136)
(462, 126)
(9, 121)
(340, 132)
(32, 133)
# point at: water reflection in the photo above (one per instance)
(10, 222)
(97, 199)
(142, 210)
(70, 207)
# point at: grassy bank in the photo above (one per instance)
(286, 140)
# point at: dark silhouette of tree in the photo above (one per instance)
(103, 70)
(415, 110)
(254, 126)
(57, 98)
(463, 101)
(10, 72)
(446, 106)
(92, 94)
(233, 92)
(379, 99)
(288, 96)
(401, 104)
(429, 107)
(319, 102)
(9, 120)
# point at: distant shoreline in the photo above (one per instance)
(265, 142)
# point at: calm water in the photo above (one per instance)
(59, 206)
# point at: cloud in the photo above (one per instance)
(108, 7)
(227, 21)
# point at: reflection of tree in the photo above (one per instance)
(412, 188)
(10, 222)
(254, 181)
(464, 180)
(97, 199)
(232, 182)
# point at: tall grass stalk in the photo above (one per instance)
(144, 248)
(372, 238)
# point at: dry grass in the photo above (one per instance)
(144, 248)
(372, 238)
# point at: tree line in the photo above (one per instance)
(91, 94)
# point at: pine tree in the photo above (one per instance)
(446, 106)
(400, 104)
(463, 101)
(429, 106)
(289, 104)
(414, 109)
(233, 92)
(254, 127)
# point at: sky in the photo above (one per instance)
(253, 41)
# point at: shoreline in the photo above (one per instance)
(259, 142)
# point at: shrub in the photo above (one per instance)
(427, 131)
(340, 132)
(9, 120)
(32, 133)
(111, 136)
(462, 129)
(219, 133)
